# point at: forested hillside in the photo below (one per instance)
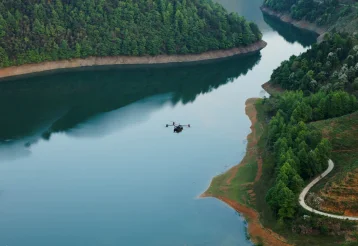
(320, 84)
(330, 65)
(322, 12)
(37, 30)
(300, 152)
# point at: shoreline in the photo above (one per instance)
(129, 60)
(305, 25)
(272, 89)
(256, 231)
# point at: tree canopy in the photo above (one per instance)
(38, 30)
(322, 12)
(328, 66)
(300, 152)
(320, 84)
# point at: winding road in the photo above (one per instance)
(303, 194)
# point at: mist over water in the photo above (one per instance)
(85, 158)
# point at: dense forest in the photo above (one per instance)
(39, 30)
(320, 11)
(330, 65)
(300, 152)
(319, 85)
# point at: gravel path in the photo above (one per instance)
(301, 198)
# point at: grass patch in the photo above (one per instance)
(340, 189)
(238, 188)
(237, 183)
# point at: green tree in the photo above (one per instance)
(4, 60)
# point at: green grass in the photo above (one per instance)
(266, 181)
(238, 188)
(236, 183)
(343, 134)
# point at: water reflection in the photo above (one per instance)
(289, 32)
(41, 105)
(249, 9)
(267, 24)
(135, 185)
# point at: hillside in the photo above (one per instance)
(330, 65)
(36, 31)
(339, 192)
(339, 15)
(317, 86)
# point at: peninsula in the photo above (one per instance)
(88, 33)
(130, 60)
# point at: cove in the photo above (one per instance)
(85, 158)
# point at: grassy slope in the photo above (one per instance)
(349, 22)
(340, 191)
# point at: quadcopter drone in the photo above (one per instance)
(177, 127)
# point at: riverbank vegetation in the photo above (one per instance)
(304, 228)
(293, 152)
(329, 66)
(236, 186)
(319, 85)
(300, 153)
(237, 182)
(36, 31)
(321, 12)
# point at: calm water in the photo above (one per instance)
(85, 158)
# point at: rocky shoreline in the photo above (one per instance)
(129, 60)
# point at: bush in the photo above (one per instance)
(355, 84)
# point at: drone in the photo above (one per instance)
(177, 127)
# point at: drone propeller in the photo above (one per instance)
(173, 124)
(188, 125)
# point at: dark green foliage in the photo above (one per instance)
(320, 11)
(323, 81)
(38, 30)
(296, 107)
(300, 152)
(328, 66)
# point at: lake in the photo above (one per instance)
(86, 159)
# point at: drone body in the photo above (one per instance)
(177, 127)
